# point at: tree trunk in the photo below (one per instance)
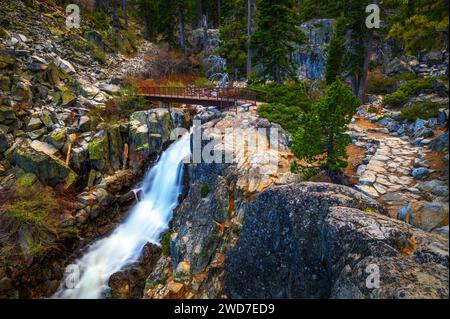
(115, 23)
(199, 13)
(205, 32)
(368, 46)
(365, 68)
(249, 38)
(219, 12)
(278, 77)
(181, 29)
(355, 86)
(124, 11)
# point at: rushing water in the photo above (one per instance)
(147, 221)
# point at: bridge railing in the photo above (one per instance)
(219, 94)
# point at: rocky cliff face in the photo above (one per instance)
(63, 133)
(311, 57)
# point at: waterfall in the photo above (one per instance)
(148, 219)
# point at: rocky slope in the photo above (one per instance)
(70, 130)
(300, 240)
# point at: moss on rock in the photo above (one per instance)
(6, 60)
(99, 151)
(50, 170)
(26, 180)
(5, 83)
(57, 138)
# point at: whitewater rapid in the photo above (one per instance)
(148, 219)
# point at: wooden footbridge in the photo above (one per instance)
(218, 97)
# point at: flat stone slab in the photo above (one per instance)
(368, 178)
(44, 147)
(368, 190)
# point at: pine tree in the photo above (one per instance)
(336, 53)
(234, 38)
(274, 39)
(420, 24)
(323, 128)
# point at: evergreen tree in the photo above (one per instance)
(336, 53)
(165, 20)
(274, 39)
(323, 128)
(234, 38)
(420, 24)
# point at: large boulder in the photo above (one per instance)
(429, 216)
(148, 132)
(316, 240)
(435, 187)
(130, 282)
(440, 142)
(279, 253)
(372, 256)
(160, 122)
(49, 169)
(7, 115)
(398, 66)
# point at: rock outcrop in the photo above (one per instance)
(373, 256)
(317, 240)
(51, 170)
(311, 57)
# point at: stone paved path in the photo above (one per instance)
(387, 176)
(386, 172)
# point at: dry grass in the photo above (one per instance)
(355, 158)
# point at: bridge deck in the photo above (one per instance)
(191, 100)
(217, 97)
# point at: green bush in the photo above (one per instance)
(101, 20)
(408, 90)
(31, 214)
(425, 111)
(372, 109)
(285, 104)
(290, 94)
(165, 244)
(99, 55)
(203, 82)
(378, 83)
(204, 190)
(323, 129)
(124, 41)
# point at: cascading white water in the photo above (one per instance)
(147, 221)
